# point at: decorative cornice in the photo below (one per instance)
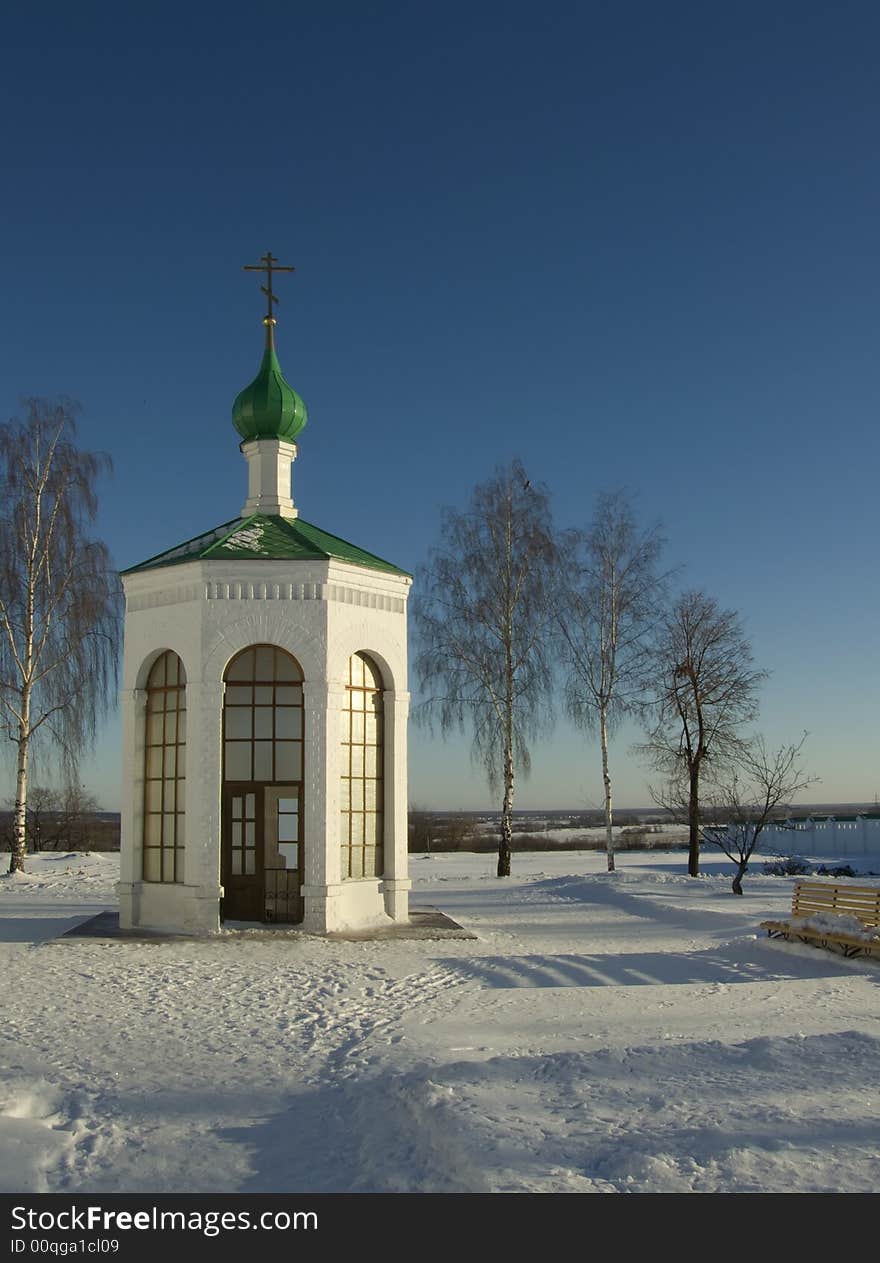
(250, 590)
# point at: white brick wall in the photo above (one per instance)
(321, 612)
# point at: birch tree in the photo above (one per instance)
(482, 623)
(605, 617)
(60, 599)
(705, 689)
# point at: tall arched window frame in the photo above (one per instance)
(263, 746)
(362, 820)
(263, 716)
(165, 770)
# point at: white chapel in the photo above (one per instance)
(264, 709)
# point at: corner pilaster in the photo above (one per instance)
(133, 707)
(204, 770)
(322, 708)
(396, 884)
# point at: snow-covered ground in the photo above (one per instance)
(623, 1033)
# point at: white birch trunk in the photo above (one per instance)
(19, 829)
(606, 778)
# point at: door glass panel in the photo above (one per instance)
(288, 828)
(250, 863)
(289, 852)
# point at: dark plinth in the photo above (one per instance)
(424, 923)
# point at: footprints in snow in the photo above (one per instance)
(341, 1031)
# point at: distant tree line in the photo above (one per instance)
(431, 831)
(65, 819)
(510, 613)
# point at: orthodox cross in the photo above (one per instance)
(268, 264)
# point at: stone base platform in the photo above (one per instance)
(424, 923)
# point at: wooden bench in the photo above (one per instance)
(829, 900)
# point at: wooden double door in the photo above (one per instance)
(262, 853)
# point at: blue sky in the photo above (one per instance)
(633, 244)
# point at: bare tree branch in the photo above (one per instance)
(747, 796)
(705, 688)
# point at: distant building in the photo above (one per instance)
(264, 709)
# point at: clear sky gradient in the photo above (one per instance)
(633, 244)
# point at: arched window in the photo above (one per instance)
(362, 820)
(263, 711)
(262, 859)
(165, 770)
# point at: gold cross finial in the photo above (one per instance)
(268, 264)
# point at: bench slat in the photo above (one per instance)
(822, 937)
(812, 897)
(862, 902)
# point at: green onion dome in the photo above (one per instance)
(269, 408)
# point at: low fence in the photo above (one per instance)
(824, 835)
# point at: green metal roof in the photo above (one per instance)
(264, 538)
(269, 408)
